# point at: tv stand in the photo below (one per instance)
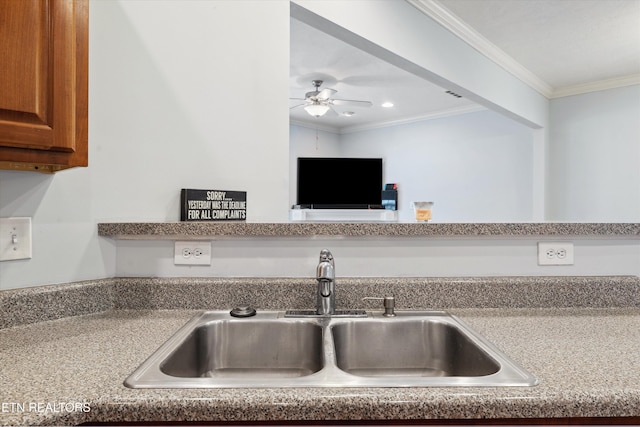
(343, 215)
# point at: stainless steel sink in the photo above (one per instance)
(409, 348)
(413, 349)
(246, 349)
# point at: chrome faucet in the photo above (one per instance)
(326, 277)
(326, 293)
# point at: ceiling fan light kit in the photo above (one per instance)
(316, 110)
(319, 102)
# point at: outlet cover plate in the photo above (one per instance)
(15, 238)
(196, 252)
(555, 253)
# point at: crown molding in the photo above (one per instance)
(461, 29)
(630, 80)
(434, 10)
(314, 126)
(406, 120)
(383, 124)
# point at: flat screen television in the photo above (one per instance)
(339, 183)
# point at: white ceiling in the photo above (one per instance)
(559, 47)
(357, 75)
(562, 42)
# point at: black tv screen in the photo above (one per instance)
(339, 183)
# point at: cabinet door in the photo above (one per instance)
(43, 89)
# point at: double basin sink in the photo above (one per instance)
(412, 349)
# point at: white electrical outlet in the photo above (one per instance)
(555, 253)
(15, 238)
(192, 253)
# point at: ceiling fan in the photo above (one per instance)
(318, 102)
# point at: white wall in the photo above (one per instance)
(381, 257)
(182, 94)
(594, 157)
(476, 167)
(168, 80)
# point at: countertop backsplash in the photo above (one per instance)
(31, 305)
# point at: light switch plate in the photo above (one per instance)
(15, 238)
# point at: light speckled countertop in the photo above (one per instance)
(586, 360)
(227, 229)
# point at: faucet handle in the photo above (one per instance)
(388, 302)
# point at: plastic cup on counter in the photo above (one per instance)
(422, 210)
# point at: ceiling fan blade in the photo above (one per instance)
(350, 103)
(296, 106)
(297, 99)
(325, 93)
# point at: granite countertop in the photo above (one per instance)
(71, 370)
(242, 229)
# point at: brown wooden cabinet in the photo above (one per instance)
(43, 84)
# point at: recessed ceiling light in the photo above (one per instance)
(348, 113)
(387, 104)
